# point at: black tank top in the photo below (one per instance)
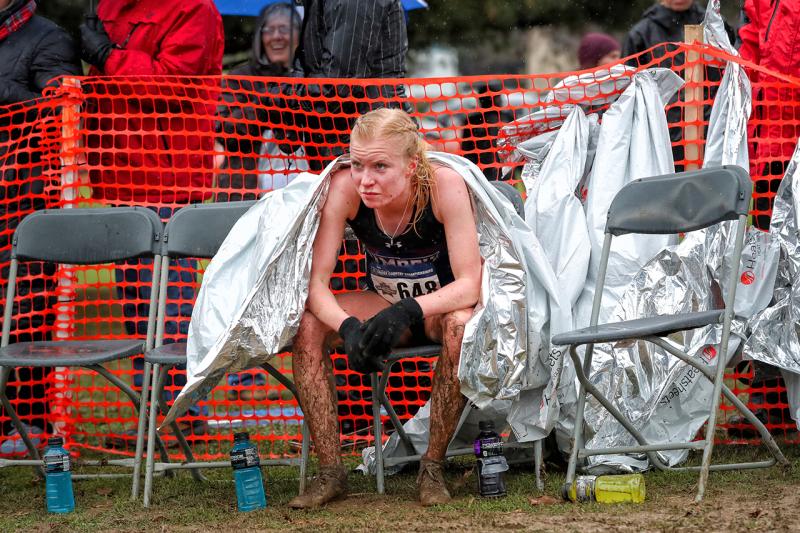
(410, 265)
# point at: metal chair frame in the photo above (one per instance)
(183, 237)
(79, 236)
(379, 382)
(665, 205)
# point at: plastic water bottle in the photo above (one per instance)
(491, 462)
(247, 473)
(606, 489)
(58, 477)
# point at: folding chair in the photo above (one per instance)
(380, 399)
(78, 237)
(195, 231)
(669, 204)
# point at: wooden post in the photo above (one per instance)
(694, 73)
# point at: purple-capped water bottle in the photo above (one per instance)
(491, 462)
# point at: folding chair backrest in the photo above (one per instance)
(513, 196)
(681, 202)
(198, 230)
(87, 236)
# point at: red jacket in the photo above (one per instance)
(771, 38)
(161, 128)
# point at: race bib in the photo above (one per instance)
(395, 282)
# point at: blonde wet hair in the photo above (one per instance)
(398, 126)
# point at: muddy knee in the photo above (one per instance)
(452, 334)
(453, 324)
(310, 340)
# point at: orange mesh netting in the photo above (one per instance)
(164, 142)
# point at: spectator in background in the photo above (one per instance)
(596, 49)
(346, 39)
(663, 23)
(158, 160)
(255, 158)
(33, 51)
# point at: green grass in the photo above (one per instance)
(735, 500)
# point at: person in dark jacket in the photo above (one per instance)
(347, 39)
(249, 142)
(663, 23)
(244, 119)
(33, 51)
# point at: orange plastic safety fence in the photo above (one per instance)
(165, 142)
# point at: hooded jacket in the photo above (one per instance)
(158, 165)
(769, 38)
(243, 117)
(660, 24)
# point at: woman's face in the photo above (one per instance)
(381, 173)
(275, 38)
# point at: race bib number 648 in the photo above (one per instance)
(396, 283)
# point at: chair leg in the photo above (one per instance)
(140, 427)
(577, 435)
(151, 435)
(377, 432)
(711, 426)
(160, 381)
(537, 464)
(304, 449)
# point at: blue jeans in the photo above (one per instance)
(179, 304)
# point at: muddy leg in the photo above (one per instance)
(447, 402)
(313, 374)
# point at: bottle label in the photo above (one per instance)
(56, 463)
(584, 488)
(490, 447)
(245, 458)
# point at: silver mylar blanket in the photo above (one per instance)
(774, 338)
(255, 288)
(665, 398)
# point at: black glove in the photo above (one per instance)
(95, 42)
(383, 331)
(351, 331)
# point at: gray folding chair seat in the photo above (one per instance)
(68, 353)
(195, 231)
(167, 354)
(669, 204)
(659, 326)
(380, 382)
(78, 237)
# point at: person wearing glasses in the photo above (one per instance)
(254, 158)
